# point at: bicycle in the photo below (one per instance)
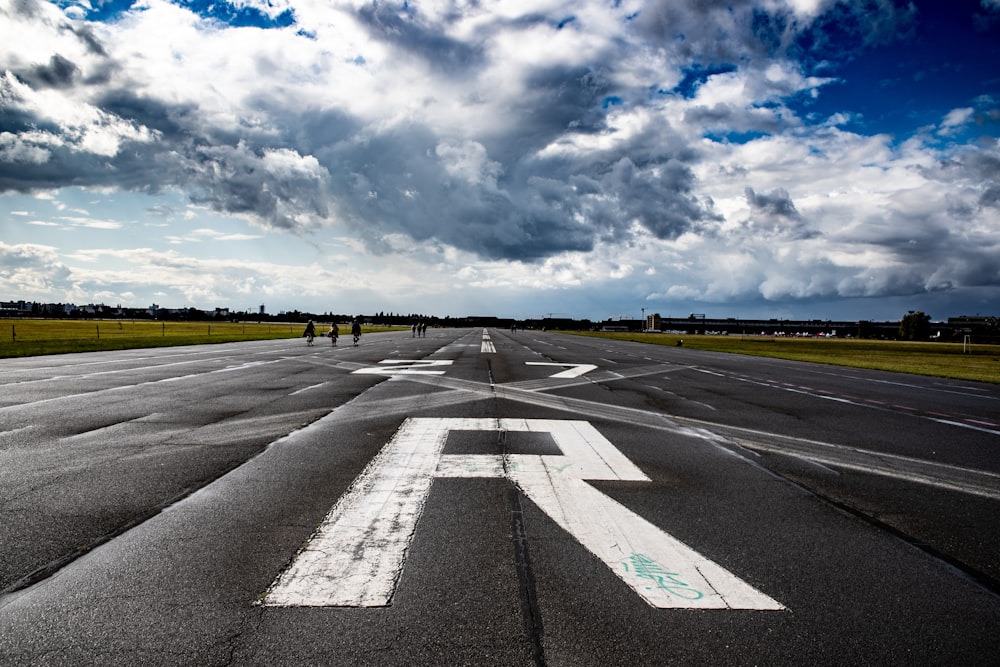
(356, 331)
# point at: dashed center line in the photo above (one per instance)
(487, 346)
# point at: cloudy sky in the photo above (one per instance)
(751, 158)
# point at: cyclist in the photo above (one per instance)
(310, 332)
(356, 331)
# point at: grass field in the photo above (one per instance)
(30, 337)
(950, 360)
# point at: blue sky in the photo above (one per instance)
(760, 158)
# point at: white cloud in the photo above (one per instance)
(469, 161)
(955, 119)
(459, 147)
(90, 223)
(30, 271)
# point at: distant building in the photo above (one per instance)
(14, 308)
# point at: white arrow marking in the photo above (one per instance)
(572, 370)
(412, 367)
(357, 554)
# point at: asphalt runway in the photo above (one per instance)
(485, 497)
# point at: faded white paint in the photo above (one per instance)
(487, 347)
(572, 370)
(357, 554)
(405, 367)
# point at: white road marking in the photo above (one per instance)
(405, 367)
(572, 370)
(356, 556)
(310, 387)
(487, 346)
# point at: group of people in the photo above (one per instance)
(419, 331)
(333, 334)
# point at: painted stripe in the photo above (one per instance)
(405, 367)
(356, 557)
(310, 387)
(357, 553)
(572, 370)
(487, 346)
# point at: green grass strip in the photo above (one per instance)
(32, 337)
(980, 363)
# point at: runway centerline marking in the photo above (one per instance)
(487, 347)
(357, 555)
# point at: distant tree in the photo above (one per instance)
(915, 325)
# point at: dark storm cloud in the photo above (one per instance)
(775, 212)
(394, 183)
(389, 180)
(777, 203)
(238, 179)
(87, 37)
(705, 31)
(659, 197)
(980, 168)
(990, 197)
(57, 73)
(174, 121)
(541, 208)
(402, 29)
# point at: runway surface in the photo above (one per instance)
(488, 497)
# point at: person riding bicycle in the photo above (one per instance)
(356, 331)
(310, 332)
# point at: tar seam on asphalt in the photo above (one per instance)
(964, 570)
(522, 561)
(52, 567)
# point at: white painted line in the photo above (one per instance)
(487, 346)
(314, 386)
(405, 367)
(357, 555)
(572, 370)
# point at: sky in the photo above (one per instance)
(795, 159)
